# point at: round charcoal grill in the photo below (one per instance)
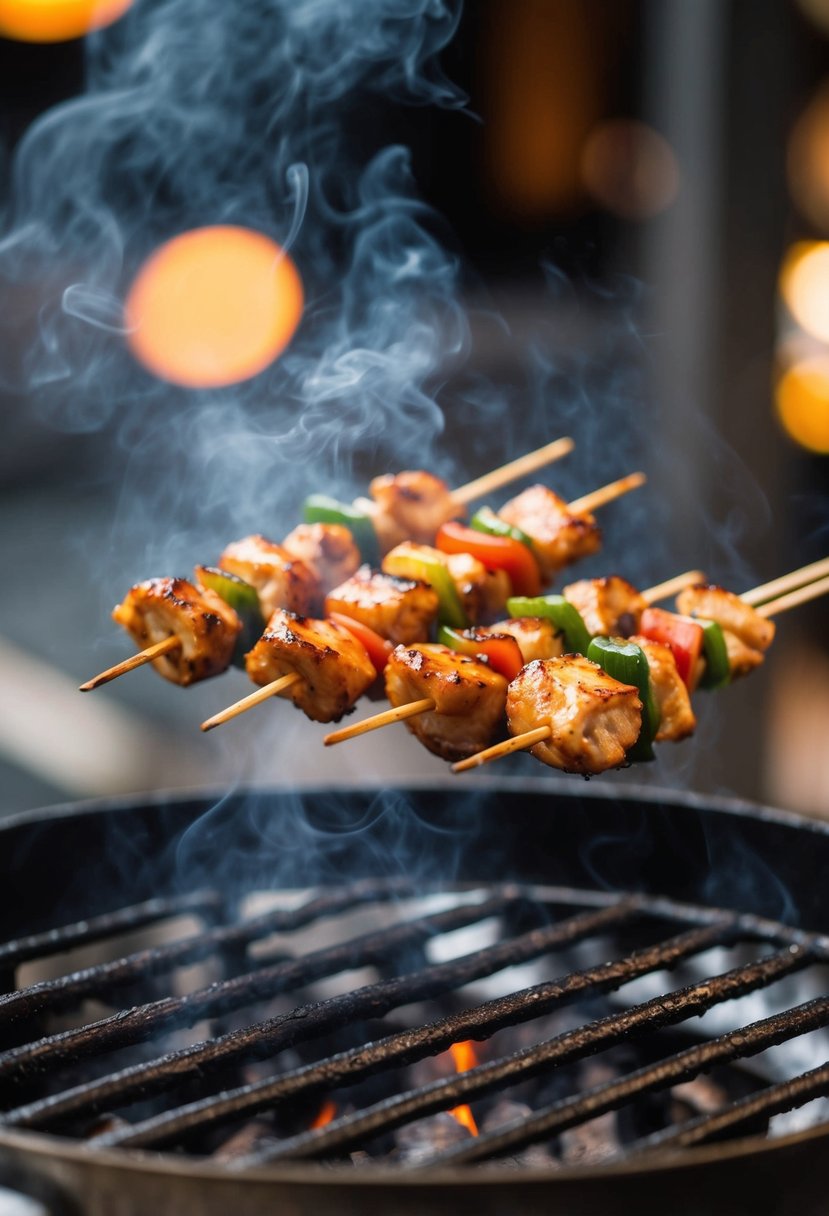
(245, 1003)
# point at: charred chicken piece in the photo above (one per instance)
(468, 696)
(730, 612)
(537, 637)
(593, 718)
(560, 536)
(282, 580)
(610, 607)
(484, 593)
(328, 550)
(676, 717)
(334, 667)
(410, 505)
(400, 609)
(204, 624)
(747, 634)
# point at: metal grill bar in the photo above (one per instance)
(569, 1112)
(775, 1100)
(308, 1021)
(406, 1047)
(98, 928)
(94, 981)
(345, 1133)
(145, 1021)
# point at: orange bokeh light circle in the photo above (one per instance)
(802, 398)
(214, 306)
(57, 20)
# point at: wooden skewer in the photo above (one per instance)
(515, 743)
(166, 646)
(794, 598)
(522, 467)
(786, 582)
(605, 494)
(671, 585)
(254, 698)
(398, 714)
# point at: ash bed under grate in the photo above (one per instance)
(318, 1027)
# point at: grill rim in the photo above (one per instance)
(651, 795)
(745, 1149)
(44, 1147)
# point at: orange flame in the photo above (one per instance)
(213, 306)
(324, 1115)
(464, 1057)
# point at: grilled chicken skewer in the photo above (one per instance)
(413, 504)
(403, 609)
(563, 712)
(418, 676)
(486, 570)
(313, 558)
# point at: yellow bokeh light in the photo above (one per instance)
(213, 307)
(803, 403)
(57, 20)
(804, 285)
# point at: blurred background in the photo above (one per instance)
(622, 215)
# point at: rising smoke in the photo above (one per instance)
(196, 114)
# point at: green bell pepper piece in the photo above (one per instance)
(321, 509)
(244, 601)
(627, 662)
(485, 520)
(717, 667)
(566, 618)
(408, 562)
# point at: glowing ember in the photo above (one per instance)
(324, 1115)
(464, 1058)
(213, 306)
(57, 20)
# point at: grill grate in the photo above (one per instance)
(128, 1067)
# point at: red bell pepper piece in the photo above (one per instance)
(495, 552)
(378, 648)
(500, 650)
(684, 637)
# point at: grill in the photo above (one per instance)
(228, 1009)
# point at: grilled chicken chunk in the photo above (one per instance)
(560, 536)
(730, 612)
(741, 658)
(537, 637)
(400, 609)
(409, 506)
(593, 718)
(747, 634)
(334, 667)
(282, 580)
(468, 696)
(330, 552)
(204, 624)
(676, 717)
(484, 593)
(610, 607)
